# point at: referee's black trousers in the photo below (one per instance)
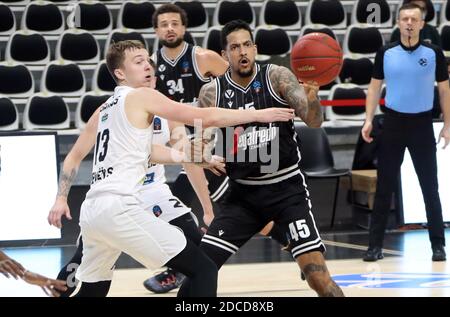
(415, 132)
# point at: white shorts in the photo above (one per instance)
(159, 200)
(114, 224)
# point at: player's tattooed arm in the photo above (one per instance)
(65, 182)
(329, 290)
(79, 151)
(306, 107)
(207, 95)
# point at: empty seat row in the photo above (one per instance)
(59, 77)
(68, 80)
(359, 39)
(94, 16)
(49, 111)
(81, 47)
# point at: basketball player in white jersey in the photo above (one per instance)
(155, 193)
(112, 218)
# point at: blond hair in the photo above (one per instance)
(116, 54)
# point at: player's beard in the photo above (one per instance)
(174, 44)
(246, 73)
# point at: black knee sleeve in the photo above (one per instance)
(217, 255)
(200, 271)
(189, 227)
(97, 289)
(67, 273)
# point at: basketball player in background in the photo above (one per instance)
(11, 267)
(112, 218)
(260, 192)
(182, 69)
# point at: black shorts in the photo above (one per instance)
(248, 208)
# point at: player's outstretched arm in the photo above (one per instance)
(81, 148)
(158, 104)
(165, 155)
(306, 104)
(50, 286)
(9, 266)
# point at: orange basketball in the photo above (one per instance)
(317, 57)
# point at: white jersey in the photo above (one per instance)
(155, 194)
(156, 173)
(121, 151)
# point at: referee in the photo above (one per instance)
(410, 68)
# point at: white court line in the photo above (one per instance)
(359, 247)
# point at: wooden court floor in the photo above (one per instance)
(419, 278)
(260, 269)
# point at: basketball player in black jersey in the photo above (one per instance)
(182, 69)
(262, 160)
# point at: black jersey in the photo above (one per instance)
(256, 153)
(179, 79)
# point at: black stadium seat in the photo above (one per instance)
(46, 112)
(227, 11)
(87, 105)
(63, 78)
(281, 13)
(43, 17)
(16, 80)
(78, 46)
(9, 116)
(28, 47)
(136, 16)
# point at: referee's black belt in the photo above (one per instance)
(397, 114)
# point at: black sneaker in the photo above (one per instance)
(373, 254)
(438, 253)
(164, 282)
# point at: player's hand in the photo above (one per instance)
(59, 209)
(311, 90)
(201, 150)
(215, 164)
(445, 134)
(366, 130)
(50, 286)
(11, 267)
(201, 146)
(274, 114)
(208, 217)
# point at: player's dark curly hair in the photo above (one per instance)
(232, 26)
